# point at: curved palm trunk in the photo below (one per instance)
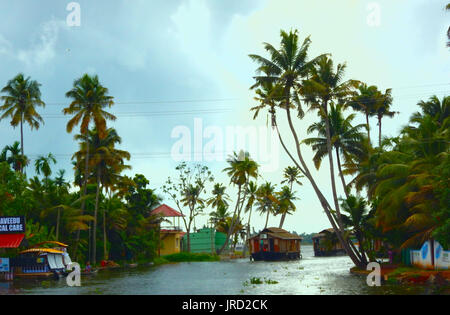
(341, 175)
(227, 240)
(326, 207)
(330, 159)
(247, 236)
(283, 215)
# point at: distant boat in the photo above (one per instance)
(275, 244)
(326, 243)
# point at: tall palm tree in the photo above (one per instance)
(22, 97)
(42, 165)
(366, 102)
(291, 175)
(104, 158)
(242, 168)
(288, 66)
(252, 190)
(347, 140)
(266, 200)
(325, 86)
(382, 109)
(89, 100)
(286, 198)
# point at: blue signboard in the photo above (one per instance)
(4, 264)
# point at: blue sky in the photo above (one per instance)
(188, 59)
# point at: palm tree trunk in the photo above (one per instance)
(379, 131)
(57, 223)
(21, 143)
(227, 240)
(283, 218)
(94, 230)
(330, 159)
(368, 126)
(83, 201)
(326, 207)
(267, 218)
(105, 252)
(248, 232)
(341, 175)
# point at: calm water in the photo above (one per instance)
(310, 275)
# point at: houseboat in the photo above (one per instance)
(41, 262)
(274, 244)
(326, 243)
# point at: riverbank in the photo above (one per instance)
(410, 276)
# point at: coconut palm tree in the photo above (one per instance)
(266, 201)
(382, 109)
(89, 100)
(365, 101)
(22, 97)
(439, 110)
(241, 169)
(220, 197)
(347, 140)
(324, 86)
(291, 175)
(288, 66)
(104, 158)
(42, 165)
(17, 160)
(356, 218)
(220, 215)
(252, 190)
(286, 198)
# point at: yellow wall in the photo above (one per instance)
(170, 243)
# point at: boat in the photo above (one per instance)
(273, 244)
(42, 262)
(327, 244)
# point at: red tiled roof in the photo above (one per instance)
(11, 240)
(166, 211)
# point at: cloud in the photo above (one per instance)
(41, 51)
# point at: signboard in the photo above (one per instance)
(263, 236)
(12, 224)
(4, 264)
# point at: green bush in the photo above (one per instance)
(190, 257)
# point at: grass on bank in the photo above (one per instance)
(185, 257)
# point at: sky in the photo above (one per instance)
(180, 75)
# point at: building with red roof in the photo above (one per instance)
(170, 233)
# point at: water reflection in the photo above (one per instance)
(311, 275)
